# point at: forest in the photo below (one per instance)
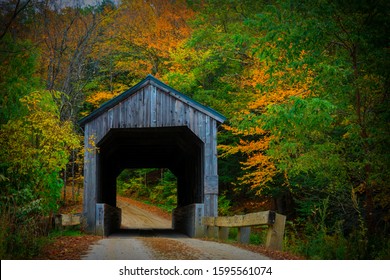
(304, 86)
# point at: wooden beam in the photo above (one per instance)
(275, 222)
(252, 219)
(275, 233)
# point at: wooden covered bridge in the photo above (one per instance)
(151, 125)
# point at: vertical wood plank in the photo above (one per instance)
(104, 129)
(172, 102)
(159, 112)
(134, 111)
(141, 112)
(122, 115)
(153, 106)
(146, 108)
(243, 235)
(128, 114)
(187, 115)
(165, 109)
(213, 144)
(223, 233)
(110, 118)
(116, 116)
(179, 113)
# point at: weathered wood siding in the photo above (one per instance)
(153, 106)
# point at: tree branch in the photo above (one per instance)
(14, 15)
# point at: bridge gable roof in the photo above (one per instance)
(151, 80)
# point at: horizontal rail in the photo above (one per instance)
(252, 219)
(219, 226)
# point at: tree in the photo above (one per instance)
(10, 12)
(36, 148)
(35, 143)
(135, 39)
(17, 66)
(68, 35)
(327, 142)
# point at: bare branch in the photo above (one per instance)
(17, 11)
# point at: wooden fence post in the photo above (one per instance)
(223, 233)
(212, 232)
(275, 233)
(244, 234)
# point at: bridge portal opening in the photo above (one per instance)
(175, 148)
(156, 186)
(151, 125)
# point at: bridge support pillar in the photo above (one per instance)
(108, 219)
(188, 219)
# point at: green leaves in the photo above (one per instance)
(301, 144)
(36, 148)
(17, 65)
(302, 118)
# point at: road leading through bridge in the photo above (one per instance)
(146, 236)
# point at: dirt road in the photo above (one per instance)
(145, 236)
(134, 217)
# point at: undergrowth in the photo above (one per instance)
(20, 239)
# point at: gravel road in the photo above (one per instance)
(145, 236)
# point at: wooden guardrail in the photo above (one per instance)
(65, 220)
(219, 227)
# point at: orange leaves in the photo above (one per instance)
(100, 97)
(250, 147)
(278, 96)
(253, 130)
(259, 167)
(64, 37)
(267, 83)
(148, 31)
(256, 74)
(262, 170)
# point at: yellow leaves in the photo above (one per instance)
(92, 147)
(35, 148)
(346, 135)
(39, 141)
(302, 54)
(100, 97)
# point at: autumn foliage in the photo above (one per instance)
(303, 84)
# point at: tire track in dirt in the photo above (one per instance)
(147, 236)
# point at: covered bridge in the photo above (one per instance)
(151, 125)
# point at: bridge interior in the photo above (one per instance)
(176, 148)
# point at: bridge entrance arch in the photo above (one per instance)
(151, 125)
